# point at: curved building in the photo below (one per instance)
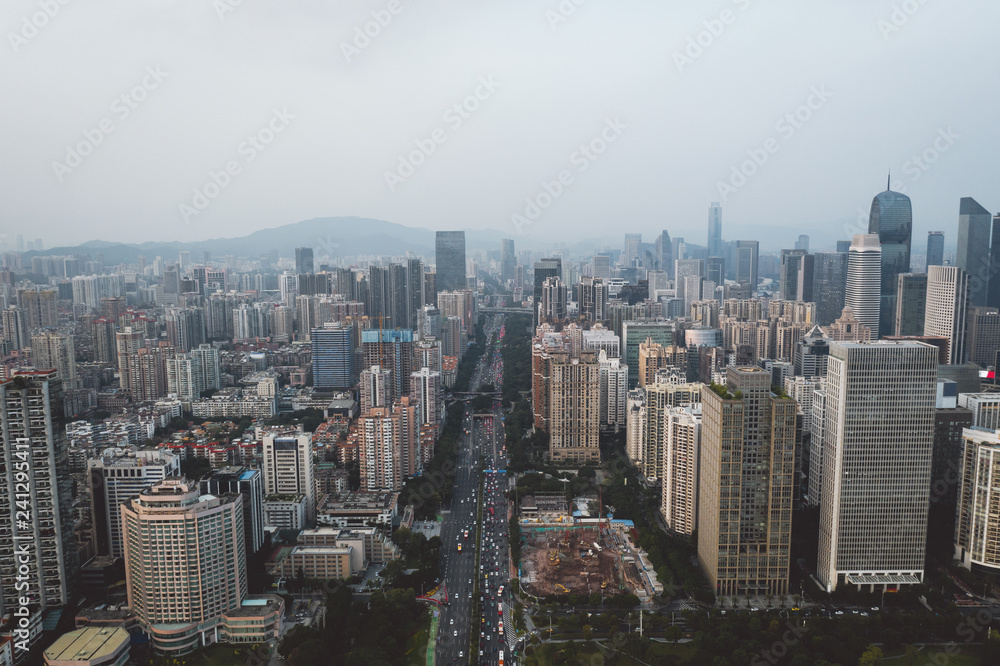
(864, 274)
(977, 528)
(891, 219)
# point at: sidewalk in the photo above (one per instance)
(432, 639)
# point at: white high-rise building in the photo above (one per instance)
(635, 434)
(977, 523)
(614, 387)
(288, 468)
(946, 311)
(115, 479)
(679, 498)
(427, 392)
(864, 279)
(985, 408)
(878, 441)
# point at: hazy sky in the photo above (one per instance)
(170, 92)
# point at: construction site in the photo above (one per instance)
(583, 559)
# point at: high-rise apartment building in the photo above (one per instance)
(746, 485)
(427, 395)
(14, 328)
(375, 388)
(891, 219)
(333, 356)
(185, 562)
(935, 248)
(52, 349)
(553, 304)
(977, 528)
(946, 312)
(544, 269)
(864, 280)
(983, 336)
(973, 253)
(746, 263)
(653, 357)
(392, 350)
(304, 260)
(39, 307)
(117, 478)
(679, 495)
(508, 260)
(634, 333)
(249, 485)
(574, 416)
(128, 341)
(715, 247)
(877, 452)
(288, 468)
(33, 450)
(613, 390)
(911, 304)
(450, 260)
(389, 446)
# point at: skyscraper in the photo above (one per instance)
(545, 268)
(715, 248)
(33, 442)
(973, 253)
(746, 263)
(746, 482)
(791, 261)
(679, 496)
(602, 266)
(631, 253)
(829, 285)
(877, 449)
(248, 484)
(891, 219)
(802, 243)
(911, 304)
(664, 253)
(983, 336)
(288, 468)
(304, 260)
(52, 349)
(115, 479)
(507, 259)
(185, 562)
(935, 248)
(333, 356)
(946, 312)
(574, 416)
(715, 270)
(864, 280)
(993, 282)
(450, 260)
(977, 529)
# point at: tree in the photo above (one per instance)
(871, 656)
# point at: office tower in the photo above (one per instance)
(714, 244)
(977, 528)
(911, 304)
(985, 408)
(802, 243)
(117, 478)
(574, 417)
(51, 349)
(679, 495)
(935, 248)
(544, 269)
(791, 260)
(304, 260)
(631, 250)
(393, 350)
(983, 330)
(430, 287)
(450, 260)
(746, 485)
(593, 299)
(688, 268)
(613, 390)
(811, 354)
(427, 398)
(40, 308)
(15, 329)
(634, 333)
(414, 291)
(946, 313)
(508, 260)
(376, 388)
(891, 219)
(949, 421)
(973, 255)
(864, 280)
(288, 468)
(248, 484)
(553, 304)
(185, 562)
(993, 280)
(829, 273)
(602, 266)
(877, 450)
(804, 279)
(843, 245)
(664, 253)
(333, 356)
(33, 438)
(715, 270)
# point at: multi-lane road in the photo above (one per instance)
(480, 448)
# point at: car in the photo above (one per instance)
(452, 621)
(456, 633)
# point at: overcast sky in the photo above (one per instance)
(537, 83)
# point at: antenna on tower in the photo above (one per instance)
(888, 180)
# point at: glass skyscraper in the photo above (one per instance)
(891, 218)
(973, 252)
(935, 248)
(450, 260)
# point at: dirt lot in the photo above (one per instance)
(577, 570)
